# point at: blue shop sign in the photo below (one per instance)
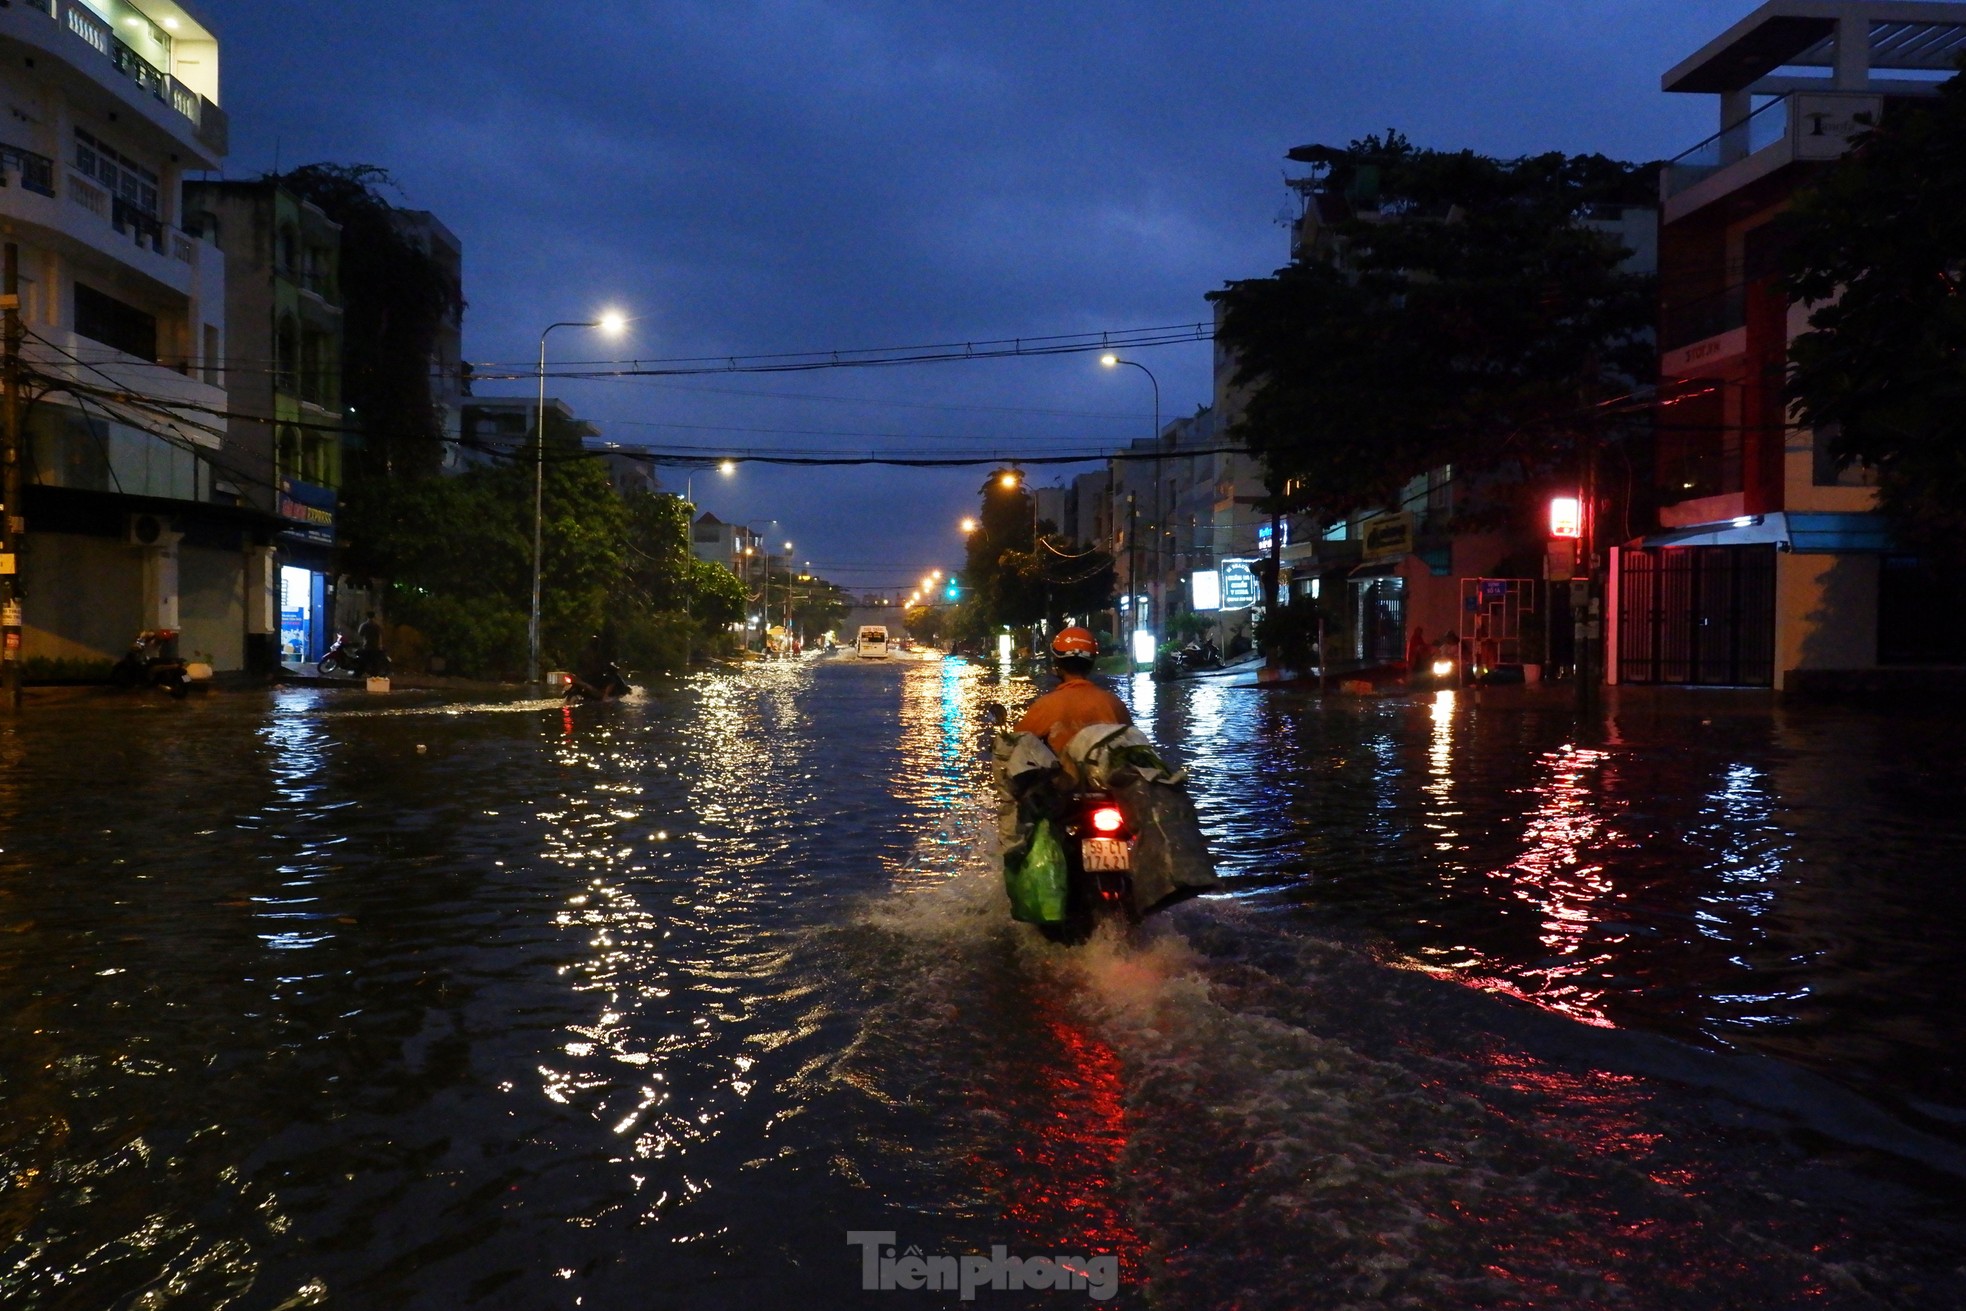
(310, 509)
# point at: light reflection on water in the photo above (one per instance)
(649, 1003)
(1765, 877)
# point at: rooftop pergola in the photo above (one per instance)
(1851, 39)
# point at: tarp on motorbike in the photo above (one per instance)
(1171, 860)
(1018, 761)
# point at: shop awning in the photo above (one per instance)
(1376, 569)
(1806, 532)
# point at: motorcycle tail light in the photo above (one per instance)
(1107, 819)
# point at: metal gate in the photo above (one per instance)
(1493, 632)
(1701, 615)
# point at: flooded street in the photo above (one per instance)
(323, 1000)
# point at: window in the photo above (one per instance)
(126, 328)
(120, 175)
(286, 355)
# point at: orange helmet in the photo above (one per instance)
(1074, 643)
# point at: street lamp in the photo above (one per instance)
(612, 323)
(969, 525)
(1113, 361)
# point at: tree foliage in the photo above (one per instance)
(1878, 250)
(924, 623)
(1460, 310)
(1018, 571)
(395, 300)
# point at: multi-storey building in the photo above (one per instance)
(283, 443)
(1390, 574)
(449, 379)
(129, 521)
(1769, 559)
(729, 544)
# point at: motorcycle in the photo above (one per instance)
(609, 685)
(1098, 850)
(341, 658)
(1085, 831)
(153, 661)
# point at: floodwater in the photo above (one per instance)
(316, 999)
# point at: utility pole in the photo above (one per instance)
(1132, 575)
(15, 522)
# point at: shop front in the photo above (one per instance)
(306, 571)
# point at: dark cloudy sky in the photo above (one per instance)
(800, 175)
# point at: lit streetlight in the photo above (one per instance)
(614, 324)
(969, 525)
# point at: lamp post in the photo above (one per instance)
(1112, 361)
(612, 324)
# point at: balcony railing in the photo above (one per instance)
(146, 229)
(1763, 128)
(36, 172)
(207, 118)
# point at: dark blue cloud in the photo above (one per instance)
(797, 175)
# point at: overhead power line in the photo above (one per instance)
(1077, 343)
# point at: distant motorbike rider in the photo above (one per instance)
(1077, 702)
(597, 678)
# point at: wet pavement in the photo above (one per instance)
(320, 999)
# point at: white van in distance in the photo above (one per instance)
(873, 642)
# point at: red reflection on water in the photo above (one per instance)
(1066, 1148)
(1559, 875)
(1618, 1203)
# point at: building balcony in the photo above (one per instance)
(70, 33)
(79, 218)
(1801, 127)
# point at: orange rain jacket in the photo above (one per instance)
(1074, 704)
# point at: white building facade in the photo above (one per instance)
(110, 103)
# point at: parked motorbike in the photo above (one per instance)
(608, 685)
(153, 661)
(359, 661)
(1197, 656)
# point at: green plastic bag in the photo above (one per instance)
(1036, 881)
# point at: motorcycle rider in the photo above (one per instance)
(1077, 702)
(369, 657)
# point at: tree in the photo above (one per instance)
(924, 623)
(1462, 311)
(1017, 573)
(1878, 251)
(465, 577)
(395, 300)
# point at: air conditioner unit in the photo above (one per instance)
(150, 530)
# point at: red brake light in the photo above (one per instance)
(1107, 819)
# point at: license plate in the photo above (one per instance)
(1106, 855)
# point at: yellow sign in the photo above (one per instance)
(1387, 537)
(7, 563)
